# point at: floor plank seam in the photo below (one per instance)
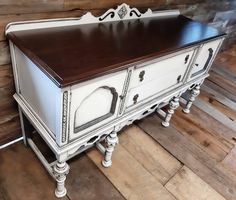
(228, 102)
(102, 171)
(216, 114)
(171, 193)
(224, 73)
(204, 131)
(174, 174)
(136, 123)
(220, 86)
(211, 167)
(146, 167)
(68, 197)
(222, 93)
(147, 171)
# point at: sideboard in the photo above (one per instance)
(81, 80)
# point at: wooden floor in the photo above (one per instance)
(193, 159)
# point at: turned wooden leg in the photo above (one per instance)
(194, 93)
(61, 169)
(111, 141)
(174, 104)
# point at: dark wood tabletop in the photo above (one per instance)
(72, 54)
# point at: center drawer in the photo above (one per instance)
(175, 65)
(150, 79)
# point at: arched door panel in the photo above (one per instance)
(95, 103)
(96, 107)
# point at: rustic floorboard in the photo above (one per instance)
(223, 82)
(191, 155)
(161, 164)
(224, 72)
(215, 114)
(186, 185)
(217, 95)
(220, 90)
(10, 129)
(130, 177)
(212, 126)
(206, 97)
(86, 182)
(229, 163)
(201, 137)
(227, 59)
(23, 177)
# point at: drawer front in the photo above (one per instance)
(170, 66)
(204, 58)
(161, 77)
(95, 103)
(143, 92)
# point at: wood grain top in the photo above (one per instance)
(72, 54)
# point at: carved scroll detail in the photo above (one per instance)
(123, 11)
(112, 14)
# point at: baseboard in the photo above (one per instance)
(10, 143)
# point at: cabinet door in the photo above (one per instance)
(204, 58)
(160, 77)
(95, 103)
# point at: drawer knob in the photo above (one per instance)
(135, 98)
(141, 75)
(179, 78)
(186, 59)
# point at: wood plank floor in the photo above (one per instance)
(193, 159)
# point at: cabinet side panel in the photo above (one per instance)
(40, 93)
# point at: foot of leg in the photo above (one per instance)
(61, 169)
(111, 142)
(174, 104)
(194, 93)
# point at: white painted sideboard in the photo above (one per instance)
(72, 115)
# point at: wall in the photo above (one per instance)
(217, 13)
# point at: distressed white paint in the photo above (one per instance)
(203, 55)
(159, 76)
(56, 112)
(98, 102)
(38, 91)
(90, 91)
(168, 69)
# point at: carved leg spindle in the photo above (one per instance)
(111, 141)
(194, 93)
(61, 169)
(174, 104)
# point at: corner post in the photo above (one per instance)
(60, 170)
(111, 142)
(26, 127)
(173, 105)
(194, 93)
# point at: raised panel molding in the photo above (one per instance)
(104, 103)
